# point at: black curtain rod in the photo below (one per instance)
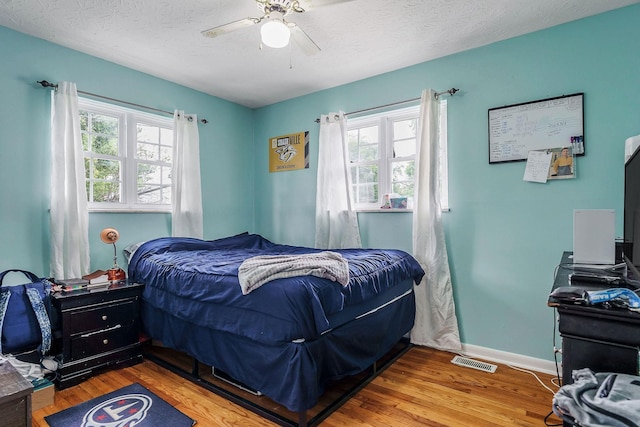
(451, 92)
(45, 83)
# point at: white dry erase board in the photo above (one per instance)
(514, 130)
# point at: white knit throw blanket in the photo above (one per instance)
(256, 271)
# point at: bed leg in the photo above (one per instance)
(195, 369)
(302, 419)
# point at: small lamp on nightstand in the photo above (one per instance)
(111, 235)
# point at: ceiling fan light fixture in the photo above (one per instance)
(275, 33)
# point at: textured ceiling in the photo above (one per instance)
(358, 38)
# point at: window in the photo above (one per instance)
(127, 157)
(382, 150)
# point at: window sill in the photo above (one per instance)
(392, 210)
(379, 210)
(131, 211)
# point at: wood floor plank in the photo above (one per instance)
(422, 388)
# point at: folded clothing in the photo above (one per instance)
(258, 270)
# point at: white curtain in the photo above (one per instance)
(336, 221)
(186, 218)
(436, 322)
(69, 215)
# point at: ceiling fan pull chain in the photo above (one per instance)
(290, 60)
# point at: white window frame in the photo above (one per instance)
(385, 149)
(127, 140)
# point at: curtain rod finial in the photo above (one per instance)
(45, 83)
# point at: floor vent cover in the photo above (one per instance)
(475, 364)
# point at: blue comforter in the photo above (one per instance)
(197, 280)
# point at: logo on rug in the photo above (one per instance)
(122, 411)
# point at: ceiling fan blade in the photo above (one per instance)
(314, 4)
(301, 38)
(231, 26)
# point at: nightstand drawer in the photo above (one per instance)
(101, 341)
(103, 317)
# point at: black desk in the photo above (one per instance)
(604, 340)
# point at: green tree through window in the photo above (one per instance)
(382, 150)
(127, 156)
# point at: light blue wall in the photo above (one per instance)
(226, 144)
(505, 236)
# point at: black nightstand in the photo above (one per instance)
(96, 329)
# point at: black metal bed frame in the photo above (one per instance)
(194, 377)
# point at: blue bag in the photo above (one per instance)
(24, 317)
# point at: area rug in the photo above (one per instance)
(130, 406)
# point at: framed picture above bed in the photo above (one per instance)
(516, 129)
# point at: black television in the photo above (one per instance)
(631, 242)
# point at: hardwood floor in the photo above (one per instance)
(422, 388)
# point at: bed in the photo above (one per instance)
(288, 337)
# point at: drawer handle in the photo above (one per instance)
(104, 317)
(101, 331)
(105, 341)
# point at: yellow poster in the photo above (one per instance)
(289, 152)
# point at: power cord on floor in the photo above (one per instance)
(525, 371)
(546, 421)
(546, 418)
(535, 376)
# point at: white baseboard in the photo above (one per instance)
(506, 358)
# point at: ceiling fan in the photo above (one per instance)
(275, 31)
